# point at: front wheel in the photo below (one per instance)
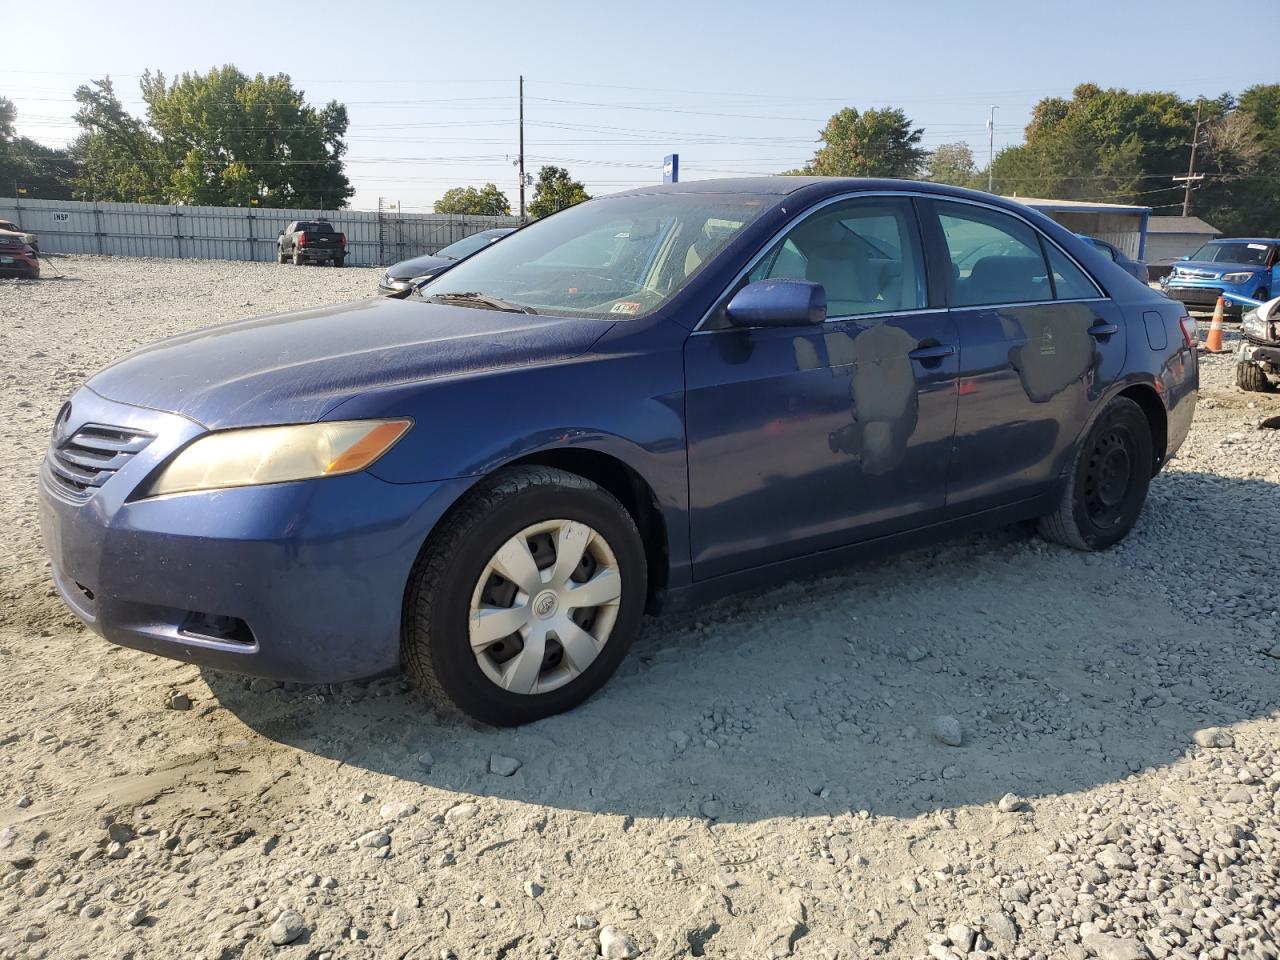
(1107, 486)
(1251, 377)
(526, 599)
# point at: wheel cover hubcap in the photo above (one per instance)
(544, 606)
(1109, 477)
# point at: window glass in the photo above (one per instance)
(1069, 281)
(995, 258)
(865, 253)
(614, 258)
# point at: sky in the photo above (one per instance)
(610, 88)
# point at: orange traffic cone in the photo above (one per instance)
(1213, 342)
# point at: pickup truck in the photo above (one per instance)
(313, 240)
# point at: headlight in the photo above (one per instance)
(1251, 325)
(1236, 277)
(241, 458)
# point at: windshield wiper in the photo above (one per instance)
(482, 300)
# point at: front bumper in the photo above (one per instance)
(19, 264)
(295, 581)
(1264, 355)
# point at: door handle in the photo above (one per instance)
(1101, 330)
(932, 353)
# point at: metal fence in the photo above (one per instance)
(229, 233)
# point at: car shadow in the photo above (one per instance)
(1064, 671)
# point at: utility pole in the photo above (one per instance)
(991, 147)
(521, 158)
(1191, 176)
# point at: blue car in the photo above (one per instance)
(639, 403)
(1125, 262)
(1247, 267)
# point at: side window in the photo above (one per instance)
(1069, 281)
(865, 253)
(995, 258)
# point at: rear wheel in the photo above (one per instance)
(281, 256)
(297, 258)
(339, 261)
(526, 599)
(1108, 482)
(1251, 377)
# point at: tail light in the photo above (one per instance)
(342, 238)
(1190, 335)
(302, 239)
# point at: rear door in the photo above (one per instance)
(803, 439)
(1039, 343)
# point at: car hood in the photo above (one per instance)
(294, 367)
(418, 267)
(1216, 266)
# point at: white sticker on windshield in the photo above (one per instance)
(625, 306)
(1257, 246)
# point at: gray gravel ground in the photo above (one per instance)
(990, 748)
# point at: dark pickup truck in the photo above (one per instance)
(313, 240)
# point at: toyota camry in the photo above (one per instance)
(636, 404)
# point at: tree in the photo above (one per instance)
(874, 143)
(42, 171)
(221, 138)
(952, 163)
(488, 201)
(555, 190)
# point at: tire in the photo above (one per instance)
(339, 261)
(1107, 485)
(446, 584)
(1251, 377)
(297, 258)
(281, 257)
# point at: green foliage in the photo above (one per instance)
(555, 190)
(488, 201)
(952, 163)
(874, 143)
(42, 171)
(218, 139)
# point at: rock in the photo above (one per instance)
(1273, 652)
(1238, 794)
(961, 937)
(1214, 738)
(90, 911)
(328, 883)
(712, 809)
(120, 832)
(915, 654)
(400, 916)
(374, 840)
(136, 918)
(33, 934)
(460, 812)
(1107, 947)
(533, 890)
(289, 926)
(503, 766)
(616, 945)
(584, 922)
(679, 738)
(426, 761)
(1012, 803)
(178, 701)
(1001, 930)
(117, 851)
(263, 685)
(947, 730)
(24, 801)
(1113, 858)
(397, 810)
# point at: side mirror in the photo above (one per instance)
(778, 303)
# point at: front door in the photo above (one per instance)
(803, 439)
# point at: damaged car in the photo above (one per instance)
(1258, 356)
(634, 405)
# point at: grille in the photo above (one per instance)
(87, 459)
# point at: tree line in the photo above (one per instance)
(225, 138)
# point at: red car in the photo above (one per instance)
(16, 256)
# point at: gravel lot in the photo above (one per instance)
(994, 748)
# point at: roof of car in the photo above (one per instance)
(1245, 240)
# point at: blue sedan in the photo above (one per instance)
(636, 404)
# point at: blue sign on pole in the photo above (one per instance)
(671, 168)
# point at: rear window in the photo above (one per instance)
(314, 227)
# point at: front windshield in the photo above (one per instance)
(466, 246)
(1235, 252)
(616, 258)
